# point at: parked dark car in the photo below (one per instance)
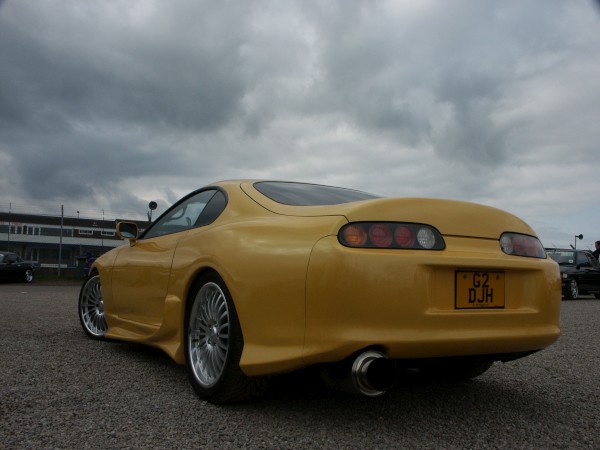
(579, 270)
(12, 267)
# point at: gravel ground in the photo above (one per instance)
(62, 390)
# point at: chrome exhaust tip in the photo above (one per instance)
(370, 373)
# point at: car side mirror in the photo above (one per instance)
(128, 230)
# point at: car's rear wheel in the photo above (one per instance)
(214, 344)
(28, 276)
(453, 371)
(91, 308)
(572, 291)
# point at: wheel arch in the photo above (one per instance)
(193, 280)
(200, 273)
(215, 374)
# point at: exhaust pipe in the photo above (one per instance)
(370, 374)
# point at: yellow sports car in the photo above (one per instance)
(244, 279)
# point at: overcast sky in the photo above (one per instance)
(106, 105)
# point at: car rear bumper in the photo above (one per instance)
(404, 302)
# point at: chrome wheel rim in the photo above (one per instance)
(91, 307)
(574, 289)
(208, 334)
(28, 276)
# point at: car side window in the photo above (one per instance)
(591, 260)
(213, 209)
(188, 214)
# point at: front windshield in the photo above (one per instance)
(563, 257)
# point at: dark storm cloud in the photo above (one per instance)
(111, 69)
(433, 74)
(366, 69)
(72, 81)
(472, 136)
(111, 103)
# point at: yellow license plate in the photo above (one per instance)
(479, 290)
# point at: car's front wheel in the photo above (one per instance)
(214, 344)
(91, 308)
(28, 276)
(572, 291)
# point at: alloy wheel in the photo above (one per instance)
(208, 335)
(91, 308)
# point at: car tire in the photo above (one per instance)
(214, 344)
(91, 308)
(572, 290)
(28, 276)
(453, 371)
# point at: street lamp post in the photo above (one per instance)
(102, 232)
(8, 242)
(578, 236)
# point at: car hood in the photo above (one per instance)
(450, 217)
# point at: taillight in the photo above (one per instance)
(355, 236)
(522, 245)
(381, 235)
(405, 237)
(391, 235)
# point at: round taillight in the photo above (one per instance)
(380, 235)
(507, 245)
(354, 236)
(426, 238)
(405, 238)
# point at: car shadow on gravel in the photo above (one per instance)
(304, 391)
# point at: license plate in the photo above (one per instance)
(479, 290)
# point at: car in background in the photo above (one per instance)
(13, 268)
(243, 280)
(579, 270)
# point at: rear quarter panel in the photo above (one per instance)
(263, 261)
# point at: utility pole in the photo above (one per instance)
(8, 244)
(102, 232)
(62, 213)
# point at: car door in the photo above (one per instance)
(589, 278)
(11, 266)
(141, 272)
(4, 267)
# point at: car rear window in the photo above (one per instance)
(302, 194)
